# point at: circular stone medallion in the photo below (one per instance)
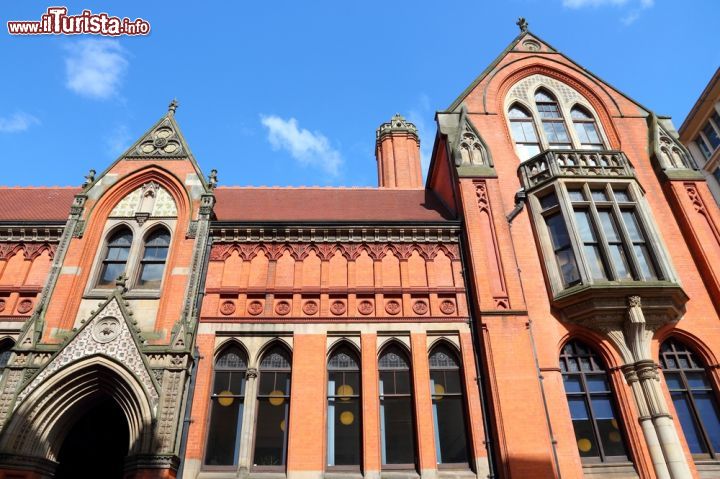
(447, 307)
(227, 308)
(337, 307)
(282, 308)
(310, 308)
(365, 307)
(106, 329)
(420, 307)
(25, 306)
(2, 304)
(255, 308)
(392, 307)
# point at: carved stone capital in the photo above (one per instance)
(251, 373)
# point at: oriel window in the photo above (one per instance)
(598, 432)
(397, 424)
(694, 398)
(344, 420)
(448, 407)
(226, 410)
(116, 256)
(273, 410)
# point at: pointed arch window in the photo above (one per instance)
(586, 129)
(344, 425)
(116, 256)
(273, 409)
(598, 432)
(448, 406)
(152, 265)
(5, 352)
(523, 132)
(694, 398)
(226, 410)
(552, 121)
(397, 422)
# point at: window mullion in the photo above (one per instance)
(627, 242)
(568, 214)
(696, 416)
(603, 241)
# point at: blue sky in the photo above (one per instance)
(290, 93)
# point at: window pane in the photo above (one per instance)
(622, 196)
(118, 253)
(527, 151)
(711, 135)
(594, 262)
(223, 435)
(517, 131)
(270, 433)
(692, 434)
(673, 381)
(592, 133)
(156, 252)
(572, 384)
(398, 431)
(529, 130)
(576, 194)
(548, 201)
(587, 232)
(597, 383)
(152, 273)
(581, 132)
(621, 266)
(344, 432)
(608, 225)
(611, 437)
(450, 427)
(602, 407)
(585, 438)
(644, 262)
(632, 225)
(697, 381)
(578, 408)
(599, 195)
(708, 411)
(111, 272)
(703, 147)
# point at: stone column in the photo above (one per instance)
(641, 373)
(247, 432)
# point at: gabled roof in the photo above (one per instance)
(36, 203)
(513, 46)
(328, 205)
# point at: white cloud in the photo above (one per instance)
(632, 7)
(17, 122)
(309, 148)
(95, 67)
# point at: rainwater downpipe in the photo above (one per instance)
(520, 198)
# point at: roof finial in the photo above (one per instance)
(523, 24)
(173, 106)
(213, 179)
(89, 179)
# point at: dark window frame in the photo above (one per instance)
(598, 369)
(677, 350)
(217, 367)
(114, 235)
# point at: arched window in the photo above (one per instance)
(5, 352)
(597, 429)
(226, 410)
(152, 264)
(586, 129)
(448, 408)
(116, 257)
(397, 425)
(273, 409)
(344, 425)
(523, 132)
(552, 121)
(693, 397)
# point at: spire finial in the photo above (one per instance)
(173, 106)
(522, 24)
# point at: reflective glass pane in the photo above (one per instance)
(673, 381)
(608, 225)
(611, 437)
(581, 133)
(708, 411)
(529, 131)
(223, 434)
(576, 194)
(344, 432)
(620, 262)
(711, 135)
(111, 272)
(602, 407)
(152, 273)
(622, 196)
(451, 434)
(693, 437)
(398, 431)
(632, 225)
(587, 232)
(572, 384)
(568, 267)
(271, 432)
(644, 262)
(548, 201)
(585, 438)
(599, 195)
(578, 408)
(697, 380)
(597, 383)
(558, 231)
(594, 262)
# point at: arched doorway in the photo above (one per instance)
(96, 445)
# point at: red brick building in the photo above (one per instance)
(545, 306)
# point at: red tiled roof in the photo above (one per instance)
(327, 204)
(50, 203)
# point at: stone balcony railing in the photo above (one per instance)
(552, 164)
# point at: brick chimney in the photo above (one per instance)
(397, 149)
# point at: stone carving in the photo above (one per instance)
(310, 308)
(163, 141)
(106, 329)
(122, 349)
(282, 308)
(393, 307)
(420, 307)
(447, 307)
(337, 307)
(25, 306)
(365, 307)
(470, 149)
(150, 199)
(255, 307)
(522, 24)
(30, 250)
(2, 305)
(531, 45)
(227, 308)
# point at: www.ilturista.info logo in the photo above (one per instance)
(57, 22)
